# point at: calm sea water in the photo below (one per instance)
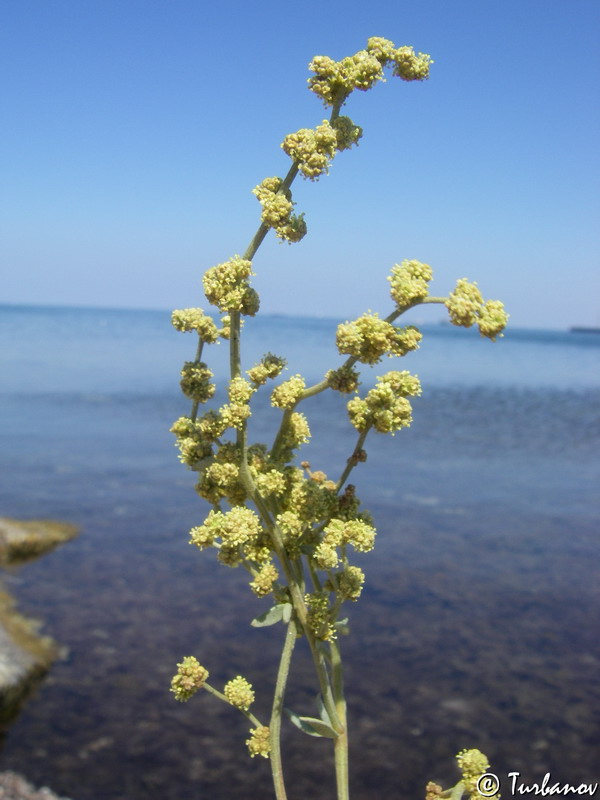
(479, 622)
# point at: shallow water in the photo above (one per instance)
(479, 622)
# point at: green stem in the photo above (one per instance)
(353, 460)
(341, 743)
(196, 403)
(275, 722)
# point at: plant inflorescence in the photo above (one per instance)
(293, 528)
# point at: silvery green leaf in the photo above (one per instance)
(311, 725)
(270, 617)
(323, 711)
(286, 613)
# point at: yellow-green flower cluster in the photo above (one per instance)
(277, 210)
(240, 391)
(259, 743)
(270, 366)
(409, 282)
(355, 532)
(264, 579)
(221, 480)
(311, 500)
(287, 394)
(271, 483)
(369, 338)
(290, 524)
(346, 132)
(466, 307)
(239, 693)
(473, 764)
(226, 286)
(195, 381)
(190, 677)
(296, 433)
(235, 414)
(312, 149)
(492, 319)
(333, 80)
(411, 66)
(235, 528)
(319, 617)
(193, 445)
(350, 583)
(194, 319)
(344, 379)
(385, 406)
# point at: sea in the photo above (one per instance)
(479, 623)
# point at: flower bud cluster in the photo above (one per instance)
(194, 319)
(344, 379)
(226, 286)
(195, 381)
(239, 693)
(259, 743)
(350, 583)
(287, 394)
(221, 480)
(190, 677)
(340, 532)
(270, 366)
(409, 282)
(194, 446)
(264, 579)
(319, 616)
(312, 149)
(277, 210)
(473, 764)
(411, 66)
(333, 80)
(235, 528)
(347, 133)
(385, 407)
(369, 338)
(466, 307)
(296, 433)
(271, 483)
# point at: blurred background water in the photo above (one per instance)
(478, 626)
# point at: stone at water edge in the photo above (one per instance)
(25, 656)
(23, 541)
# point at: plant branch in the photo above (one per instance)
(275, 722)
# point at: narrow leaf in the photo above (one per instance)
(311, 726)
(322, 728)
(323, 711)
(270, 617)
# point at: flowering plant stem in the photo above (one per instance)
(290, 527)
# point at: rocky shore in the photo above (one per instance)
(25, 655)
(14, 787)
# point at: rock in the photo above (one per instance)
(14, 787)
(25, 657)
(23, 541)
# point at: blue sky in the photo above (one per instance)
(133, 131)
